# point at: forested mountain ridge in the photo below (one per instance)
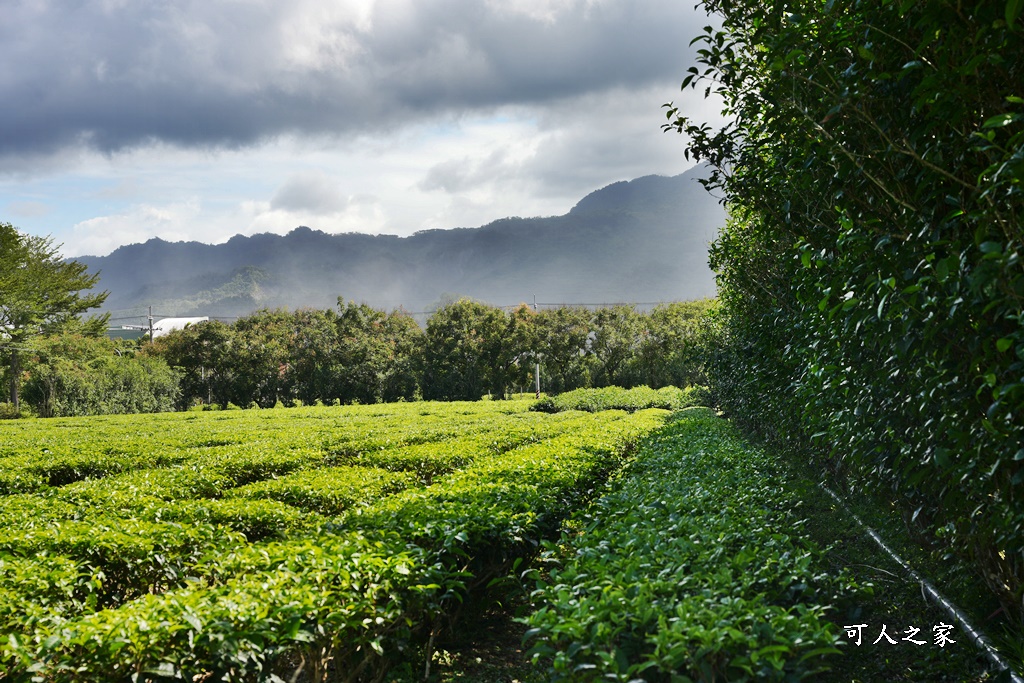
(642, 240)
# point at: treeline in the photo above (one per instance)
(467, 350)
(871, 275)
(359, 354)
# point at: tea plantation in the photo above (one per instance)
(347, 544)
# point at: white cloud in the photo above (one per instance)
(358, 214)
(513, 161)
(202, 119)
(103, 234)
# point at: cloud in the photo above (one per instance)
(572, 148)
(202, 119)
(578, 152)
(315, 198)
(113, 75)
(28, 209)
(358, 214)
(310, 191)
(125, 188)
(101, 235)
(500, 165)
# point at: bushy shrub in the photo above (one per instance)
(870, 275)
(76, 375)
(7, 411)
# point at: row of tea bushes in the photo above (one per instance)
(691, 568)
(142, 530)
(499, 509)
(40, 454)
(144, 586)
(436, 458)
(334, 607)
(617, 398)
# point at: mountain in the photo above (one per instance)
(639, 241)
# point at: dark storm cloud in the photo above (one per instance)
(114, 74)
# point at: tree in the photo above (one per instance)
(508, 349)
(200, 353)
(614, 342)
(404, 340)
(314, 351)
(39, 293)
(562, 337)
(455, 350)
(668, 353)
(256, 362)
(364, 352)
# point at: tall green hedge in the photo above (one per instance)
(870, 276)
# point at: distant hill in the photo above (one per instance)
(643, 240)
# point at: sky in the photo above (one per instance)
(198, 120)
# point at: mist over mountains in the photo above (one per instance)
(637, 241)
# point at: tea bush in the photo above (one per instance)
(691, 567)
(235, 545)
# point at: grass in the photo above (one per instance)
(899, 601)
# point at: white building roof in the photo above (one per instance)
(166, 325)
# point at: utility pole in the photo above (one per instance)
(142, 328)
(536, 368)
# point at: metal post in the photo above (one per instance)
(150, 324)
